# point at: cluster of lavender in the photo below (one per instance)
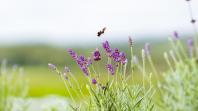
(116, 55)
(190, 43)
(84, 63)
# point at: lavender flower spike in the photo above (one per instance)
(81, 61)
(94, 81)
(130, 42)
(106, 46)
(72, 53)
(190, 44)
(52, 66)
(111, 69)
(116, 55)
(83, 64)
(147, 48)
(89, 61)
(175, 36)
(85, 70)
(123, 58)
(96, 55)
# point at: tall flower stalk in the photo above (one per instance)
(147, 49)
(144, 67)
(132, 63)
(193, 22)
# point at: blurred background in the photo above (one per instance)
(34, 33)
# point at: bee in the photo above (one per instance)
(101, 32)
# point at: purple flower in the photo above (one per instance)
(147, 48)
(96, 55)
(85, 70)
(123, 58)
(111, 69)
(94, 81)
(81, 61)
(130, 41)
(72, 53)
(89, 61)
(106, 46)
(83, 64)
(116, 55)
(52, 66)
(175, 35)
(190, 44)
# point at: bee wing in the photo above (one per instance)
(103, 29)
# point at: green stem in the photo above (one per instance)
(93, 69)
(168, 62)
(143, 63)
(77, 84)
(182, 49)
(173, 56)
(152, 65)
(125, 66)
(132, 65)
(67, 88)
(175, 49)
(108, 62)
(116, 74)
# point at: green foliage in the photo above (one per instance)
(12, 84)
(180, 84)
(180, 88)
(120, 98)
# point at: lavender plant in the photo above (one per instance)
(110, 91)
(180, 84)
(12, 84)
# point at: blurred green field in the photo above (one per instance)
(43, 81)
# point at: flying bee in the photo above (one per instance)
(101, 32)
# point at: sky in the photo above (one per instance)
(78, 21)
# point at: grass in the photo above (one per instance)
(43, 81)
